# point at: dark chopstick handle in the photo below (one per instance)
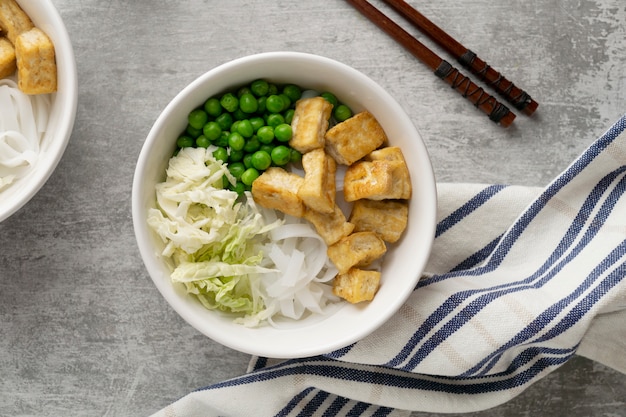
(496, 111)
(468, 59)
(520, 99)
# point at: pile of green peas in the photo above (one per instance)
(251, 128)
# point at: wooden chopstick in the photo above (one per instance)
(468, 59)
(496, 111)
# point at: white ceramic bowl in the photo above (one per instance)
(403, 263)
(63, 111)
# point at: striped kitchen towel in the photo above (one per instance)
(519, 281)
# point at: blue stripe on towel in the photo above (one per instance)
(466, 209)
(291, 405)
(339, 371)
(334, 408)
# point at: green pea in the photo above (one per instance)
(202, 142)
(330, 97)
(197, 118)
(267, 148)
(296, 156)
(236, 169)
(275, 119)
(252, 145)
(213, 107)
(283, 132)
(247, 160)
(236, 156)
(281, 155)
(212, 131)
(240, 114)
(185, 141)
(236, 142)
(274, 104)
(245, 129)
(265, 134)
(249, 175)
(342, 113)
(257, 123)
(248, 103)
(243, 90)
(262, 101)
(239, 187)
(221, 154)
(272, 89)
(192, 131)
(288, 114)
(261, 160)
(293, 92)
(286, 101)
(259, 87)
(225, 120)
(229, 102)
(222, 140)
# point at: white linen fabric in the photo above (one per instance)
(519, 281)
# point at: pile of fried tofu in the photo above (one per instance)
(376, 183)
(26, 49)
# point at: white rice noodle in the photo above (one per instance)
(301, 285)
(23, 123)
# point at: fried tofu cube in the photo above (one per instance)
(13, 20)
(387, 218)
(36, 64)
(368, 179)
(402, 188)
(319, 189)
(352, 139)
(7, 58)
(278, 189)
(356, 250)
(331, 227)
(357, 285)
(388, 153)
(310, 123)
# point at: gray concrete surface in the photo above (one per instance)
(83, 330)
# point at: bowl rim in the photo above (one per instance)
(165, 286)
(63, 110)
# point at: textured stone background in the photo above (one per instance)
(83, 332)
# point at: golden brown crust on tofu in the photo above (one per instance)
(368, 179)
(352, 139)
(356, 250)
(331, 227)
(357, 285)
(7, 58)
(36, 64)
(402, 188)
(13, 20)
(310, 123)
(278, 189)
(387, 218)
(319, 189)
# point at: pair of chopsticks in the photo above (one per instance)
(496, 111)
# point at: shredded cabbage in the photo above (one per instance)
(233, 255)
